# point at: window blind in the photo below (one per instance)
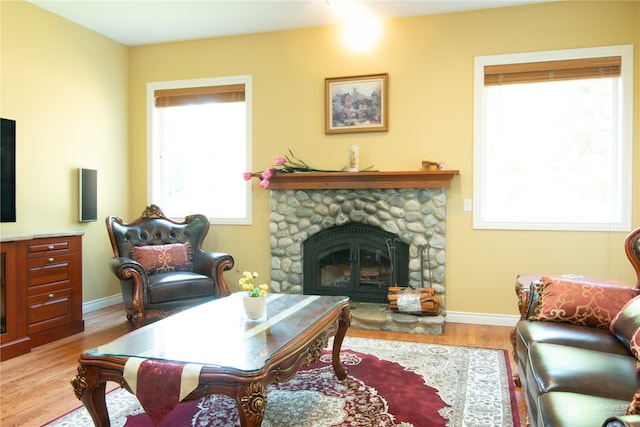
(198, 95)
(533, 72)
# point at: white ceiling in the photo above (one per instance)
(138, 22)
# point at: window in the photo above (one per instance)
(553, 140)
(200, 144)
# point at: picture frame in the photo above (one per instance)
(357, 104)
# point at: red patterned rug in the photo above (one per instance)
(390, 383)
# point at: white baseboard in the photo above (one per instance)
(99, 303)
(482, 318)
(452, 316)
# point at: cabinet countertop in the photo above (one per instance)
(40, 235)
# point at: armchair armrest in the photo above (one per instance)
(214, 264)
(133, 279)
(125, 268)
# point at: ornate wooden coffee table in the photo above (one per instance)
(240, 358)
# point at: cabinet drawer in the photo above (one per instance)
(52, 270)
(48, 310)
(54, 246)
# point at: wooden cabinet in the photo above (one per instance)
(43, 297)
(13, 339)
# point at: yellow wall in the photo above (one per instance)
(430, 63)
(66, 87)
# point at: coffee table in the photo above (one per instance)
(240, 357)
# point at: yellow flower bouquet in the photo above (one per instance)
(247, 281)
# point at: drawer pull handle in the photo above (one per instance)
(51, 247)
(50, 259)
(50, 296)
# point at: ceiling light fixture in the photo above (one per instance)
(361, 28)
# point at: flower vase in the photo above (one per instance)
(255, 307)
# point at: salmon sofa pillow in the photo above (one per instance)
(581, 303)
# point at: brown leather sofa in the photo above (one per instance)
(580, 370)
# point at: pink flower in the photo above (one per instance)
(264, 183)
(247, 176)
(280, 161)
(268, 173)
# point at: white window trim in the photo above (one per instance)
(625, 159)
(151, 148)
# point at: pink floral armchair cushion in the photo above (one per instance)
(167, 258)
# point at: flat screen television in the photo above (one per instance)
(8, 170)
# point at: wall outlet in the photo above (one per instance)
(467, 205)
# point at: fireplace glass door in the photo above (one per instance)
(354, 260)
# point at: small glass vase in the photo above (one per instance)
(255, 308)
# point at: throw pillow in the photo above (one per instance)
(634, 406)
(164, 258)
(581, 303)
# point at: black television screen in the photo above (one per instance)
(8, 171)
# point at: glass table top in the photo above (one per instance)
(217, 333)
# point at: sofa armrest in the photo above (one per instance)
(528, 295)
(533, 295)
(623, 421)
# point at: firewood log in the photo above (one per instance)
(397, 290)
(420, 301)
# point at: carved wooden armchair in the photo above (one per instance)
(161, 265)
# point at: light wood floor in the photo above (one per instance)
(34, 388)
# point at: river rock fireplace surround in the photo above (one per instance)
(404, 211)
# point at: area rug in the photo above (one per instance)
(390, 383)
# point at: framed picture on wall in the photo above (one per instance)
(357, 104)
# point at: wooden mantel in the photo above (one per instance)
(343, 180)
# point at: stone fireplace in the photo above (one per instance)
(405, 211)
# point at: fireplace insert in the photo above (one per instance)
(357, 260)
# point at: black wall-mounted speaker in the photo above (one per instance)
(88, 185)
